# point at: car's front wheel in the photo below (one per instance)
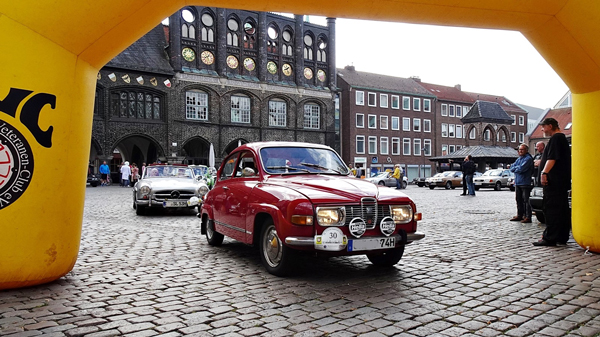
(213, 237)
(273, 254)
(498, 186)
(540, 216)
(388, 258)
(448, 185)
(381, 183)
(140, 210)
(431, 187)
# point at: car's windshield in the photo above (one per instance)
(449, 174)
(200, 171)
(380, 175)
(278, 160)
(168, 172)
(493, 173)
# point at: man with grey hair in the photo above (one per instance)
(522, 168)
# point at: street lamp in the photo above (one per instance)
(422, 166)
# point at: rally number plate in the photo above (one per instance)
(371, 244)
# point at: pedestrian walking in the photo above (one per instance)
(104, 172)
(469, 171)
(134, 173)
(125, 173)
(522, 168)
(398, 176)
(555, 177)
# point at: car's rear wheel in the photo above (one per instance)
(213, 237)
(273, 254)
(498, 186)
(381, 183)
(540, 216)
(448, 185)
(140, 210)
(431, 187)
(387, 259)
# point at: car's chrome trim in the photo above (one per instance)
(410, 237)
(299, 241)
(233, 227)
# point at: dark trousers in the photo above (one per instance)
(464, 184)
(557, 214)
(522, 196)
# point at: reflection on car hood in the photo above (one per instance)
(324, 188)
(171, 183)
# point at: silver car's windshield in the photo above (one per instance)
(301, 160)
(168, 172)
(493, 173)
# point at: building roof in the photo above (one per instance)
(147, 54)
(489, 112)
(480, 152)
(505, 103)
(363, 80)
(564, 118)
(444, 93)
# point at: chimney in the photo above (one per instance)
(351, 68)
(416, 78)
(458, 87)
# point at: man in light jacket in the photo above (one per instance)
(523, 169)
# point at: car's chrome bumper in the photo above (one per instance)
(310, 241)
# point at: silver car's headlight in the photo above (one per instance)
(331, 216)
(401, 214)
(145, 189)
(202, 190)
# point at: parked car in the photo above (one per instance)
(419, 181)
(168, 186)
(536, 199)
(288, 197)
(93, 178)
(386, 179)
(206, 173)
(448, 180)
(495, 178)
(429, 181)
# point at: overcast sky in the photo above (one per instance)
(493, 62)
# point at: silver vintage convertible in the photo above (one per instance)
(168, 186)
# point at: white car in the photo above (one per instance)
(168, 186)
(386, 179)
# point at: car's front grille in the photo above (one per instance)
(173, 194)
(369, 210)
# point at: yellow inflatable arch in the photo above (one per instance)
(53, 49)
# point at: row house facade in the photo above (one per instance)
(219, 77)
(390, 120)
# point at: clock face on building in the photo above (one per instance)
(232, 62)
(287, 69)
(321, 75)
(308, 73)
(272, 67)
(249, 64)
(207, 57)
(188, 54)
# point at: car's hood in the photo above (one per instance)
(171, 183)
(334, 189)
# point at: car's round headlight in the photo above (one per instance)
(145, 189)
(202, 190)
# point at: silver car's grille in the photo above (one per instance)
(369, 210)
(173, 194)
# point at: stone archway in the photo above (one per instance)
(196, 151)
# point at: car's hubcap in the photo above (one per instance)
(272, 248)
(209, 231)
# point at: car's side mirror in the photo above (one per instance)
(248, 172)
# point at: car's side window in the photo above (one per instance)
(229, 167)
(246, 167)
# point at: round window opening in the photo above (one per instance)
(207, 20)
(308, 40)
(272, 31)
(287, 36)
(249, 28)
(322, 44)
(232, 25)
(188, 16)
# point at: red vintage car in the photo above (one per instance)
(287, 197)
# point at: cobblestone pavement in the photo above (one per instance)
(476, 273)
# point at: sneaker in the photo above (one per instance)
(543, 242)
(517, 218)
(526, 220)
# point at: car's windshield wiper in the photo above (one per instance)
(320, 167)
(287, 168)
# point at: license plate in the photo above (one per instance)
(477, 183)
(371, 244)
(175, 203)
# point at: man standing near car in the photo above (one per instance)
(555, 177)
(468, 172)
(398, 176)
(104, 172)
(539, 146)
(522, 169)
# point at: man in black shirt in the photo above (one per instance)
(539, 146)
(555, 177)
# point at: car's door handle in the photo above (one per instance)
(225, 188)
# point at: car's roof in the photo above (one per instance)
(259, 145)
(160, 165)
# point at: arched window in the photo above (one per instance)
(187, 27)
(312, 116)
(322, 49)
(287, 36)
(207, 34)
(273, 39)
(135, 103)
(277, 112)
(250, 35)
(233, 34)
(196, 105)
(308, 47)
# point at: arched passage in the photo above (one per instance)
(77, 40)
(137, 149)
(196, 151)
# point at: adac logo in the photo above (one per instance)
(16, 157)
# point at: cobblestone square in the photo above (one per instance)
(475, 273)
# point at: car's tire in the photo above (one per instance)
(498, 186)
(540, 216)
(275, 256)
(431, 187)
(94, 184)
(512, 188)
(213, 237)
(387, 259)
(420, 185)
(404, 184)
(476, 188)
(381, 183)
(140, 210)
(448, 185)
